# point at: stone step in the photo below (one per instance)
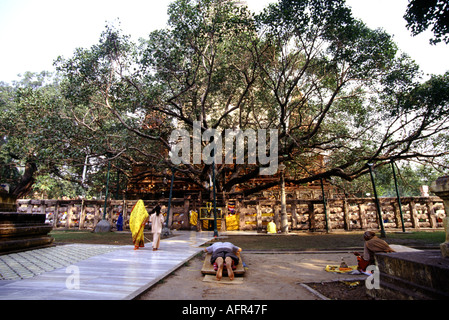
(18, 217)
(19, 231)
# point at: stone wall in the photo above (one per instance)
(85, 214)
(343, 214)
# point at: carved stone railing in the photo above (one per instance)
(342, 214)
(85, 214)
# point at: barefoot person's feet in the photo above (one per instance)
(229, 268)
(230, 272)
(219, 262)
(219, 273)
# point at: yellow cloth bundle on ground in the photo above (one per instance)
(339, 269)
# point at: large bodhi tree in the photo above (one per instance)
(40, 137)
(27, 127)
(335, 89)
(424, 14)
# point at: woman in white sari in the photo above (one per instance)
(157, 222)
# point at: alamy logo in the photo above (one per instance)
(72, 282)
(213, 152)
(373, 281)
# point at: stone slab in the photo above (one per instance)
(414, 275)
(15, 217)
(121, 274)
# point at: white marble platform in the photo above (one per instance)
(120, 273)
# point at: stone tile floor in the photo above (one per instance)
(23, 265)
(94, 272)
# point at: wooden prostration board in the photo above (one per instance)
(208, 268)
(224, 280)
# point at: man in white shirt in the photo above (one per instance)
(224, 254)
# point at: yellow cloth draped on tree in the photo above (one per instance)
(271, 227)
(139, 216)
(193, 218)
(232, 222)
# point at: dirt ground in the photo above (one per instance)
(269, 276)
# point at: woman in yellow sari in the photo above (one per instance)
(138, 219)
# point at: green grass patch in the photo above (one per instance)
(295, 241)
(425, 238)
(331, 241)
(80, 236)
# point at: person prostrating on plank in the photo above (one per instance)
(224, 254)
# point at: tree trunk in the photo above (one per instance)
(26, 182)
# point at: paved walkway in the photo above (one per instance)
(94, 272)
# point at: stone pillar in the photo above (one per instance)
(258, 217)
(445, 246)
(441, 188)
